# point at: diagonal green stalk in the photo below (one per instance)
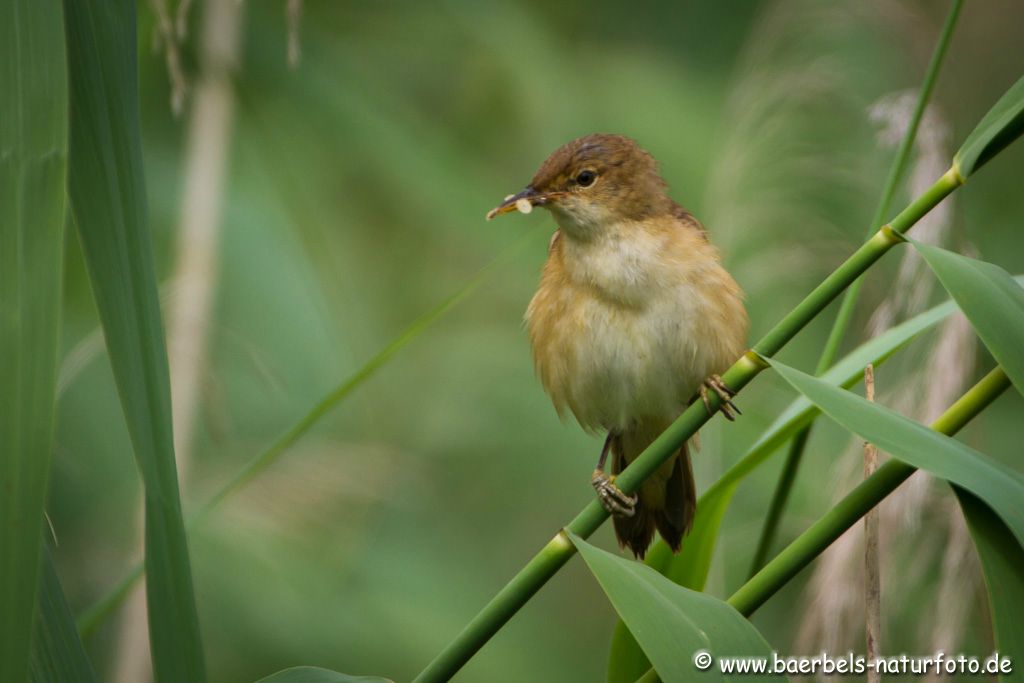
(95, 614)
(865, 496)
(559, 550)
(899, 165)
(849, 302)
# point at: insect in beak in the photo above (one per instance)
(523, 202)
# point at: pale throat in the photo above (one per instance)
(619, 258)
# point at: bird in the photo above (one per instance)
(634, 318)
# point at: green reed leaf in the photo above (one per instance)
(1000, 487)
(1003, 124)
(313, 674)
(1002, 564)
(990, 298)
(108, 200)
(33, 163)
(58, 655)
(673, 623)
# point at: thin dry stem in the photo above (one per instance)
(196, 267)
(294, 16)
(167, 37)
(872, 579)
(181, 19)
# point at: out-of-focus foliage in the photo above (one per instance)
(357, 190)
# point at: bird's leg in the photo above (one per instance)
(725, 394)
(612, 498)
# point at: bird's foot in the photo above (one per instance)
(612, 498)
(725, 394)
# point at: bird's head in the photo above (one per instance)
(594, 182)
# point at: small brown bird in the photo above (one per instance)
(634, 317)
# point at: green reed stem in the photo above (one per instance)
(849, 302)
(557, 552)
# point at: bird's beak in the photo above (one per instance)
(523, 201)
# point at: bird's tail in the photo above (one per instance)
(667, 501)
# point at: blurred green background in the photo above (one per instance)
(353, 201)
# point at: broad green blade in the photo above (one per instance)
(108, 201)
(672, 623)
(1000, 487)
(57, 652)
(690, 566)
(990, 298)
(1002, 563)
(1001, 125)
(33, 161)
(312, 674)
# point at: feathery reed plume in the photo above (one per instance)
(793, 85)
(836, 615)
(944, 628)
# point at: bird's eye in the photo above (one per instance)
(586, 178)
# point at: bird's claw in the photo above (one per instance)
(725, 394)
(612, 498)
